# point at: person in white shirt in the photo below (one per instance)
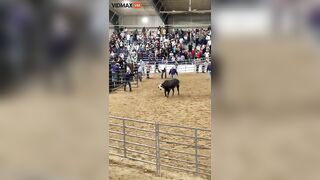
(128, 38)
(207, 53)
(171, 55)
(173, 58)
(140, 72)
(112, 54)
(142, 64)
(181, 40)
(121, 55)
(182, 58)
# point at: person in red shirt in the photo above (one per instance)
(193, 52)
(198, 54)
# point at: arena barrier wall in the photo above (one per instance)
(147, 142)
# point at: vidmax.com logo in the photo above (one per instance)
(135, 5)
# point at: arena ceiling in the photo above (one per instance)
(183, 5)
(163, 8)
(149, 7)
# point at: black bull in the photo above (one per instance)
(169, 85)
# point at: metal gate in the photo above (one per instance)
(154, 143)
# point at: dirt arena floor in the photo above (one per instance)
(191, 108)
(121, 169)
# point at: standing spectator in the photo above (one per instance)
(140, 72)
(127, 76)
(203, 66)
(142, 64)
(148, 70)
(182, 58)
(173, 72)
(197, 62)
(164, 71)
(176, 63)
(115, 71)
(209, 69)
(156, 67)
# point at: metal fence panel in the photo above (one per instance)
(156, 129)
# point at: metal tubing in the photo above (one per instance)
(196, 149)
(124, 138)
(130, 150)
(131, 127)
(157, 148)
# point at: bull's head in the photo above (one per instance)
(160, 87)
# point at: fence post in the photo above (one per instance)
(157, 144)
(196, 149)
(124, 138)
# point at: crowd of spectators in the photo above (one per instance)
(159, 45)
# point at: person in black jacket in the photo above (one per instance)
(127, 77)
(173, 72)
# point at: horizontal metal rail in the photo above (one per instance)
(131, 158)
(175, 134)
(142, 137)
(135, 159)
(113, 139)
(138, 152)
(112, 124)
(184, 127)
(187, 145)
(182, 144)
(152, 123)
(116, 147)
(134, 120)
(206, 139)
(186, 136)
(133, 143)
(183, 169)
(115, 132)
(179, 160)
(180, 152)
(169, 158)
(205, 165)
(131, 135)
(115, 154)
(142, 145)
(205, 170)
(145, 130)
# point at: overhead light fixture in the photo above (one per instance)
(145, 20)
